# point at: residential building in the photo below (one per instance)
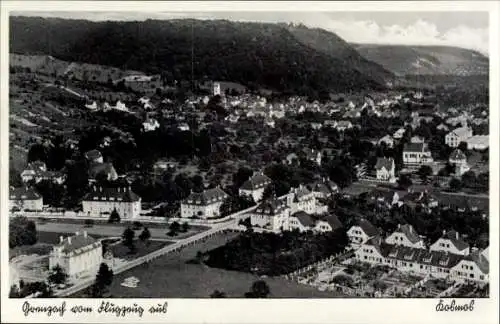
(362, 232)
(216, 89)
(101, 201)
(442, 127)
(183, 127)
(407, 236)
(417, 153)
(324, 188)
(303, 199)
(385, 169)
(458, 135)
(473, 267)
(150, 125)
(451, 242)
(37, 172)
(92, 106)
(255, 186)
(205, 204)
(373, 251)
(417, 139)
(25, 198)
(303, 222)
(343, 125)
(102, 171)
(399, 133)
(314, 156)
(459, 159)
(79, 255)
(388, 140)
(272, 215)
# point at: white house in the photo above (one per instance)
(183, 127)
(442, 127)
(255, 186)
(385, 169)
(371, 251)
(303, 199)
(342, 125)
(417, 139)
(407, 236)
(303, 221)
(102, 201)
(92, 106)
(216, 89)
(474, 267)
(361, 232)
(458, 135)
(79, 255)
(324, 188)
(25, 198)
(272, 215)
(388, 140)
(150, 125)
(417, 153)
(451, 242)
(204, 204)
(459, 159)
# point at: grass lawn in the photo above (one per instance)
(122, 252)
(172, 277)
(38, 248)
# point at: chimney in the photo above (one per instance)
(100, 188)
(411, 229)
(457, 235)
(85, 234)
(61, 239)
(399, 226)
(119, 189)
(69, 239)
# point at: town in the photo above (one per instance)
(128, 184)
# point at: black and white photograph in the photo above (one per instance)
(249, 155)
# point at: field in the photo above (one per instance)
(122, 252)
(172, 277)
(53, 237)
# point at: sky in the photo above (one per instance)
(463, 29)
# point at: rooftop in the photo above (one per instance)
(206, 197)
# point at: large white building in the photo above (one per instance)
(459, 160)
(204, 204)
(451, 242)
(272, 215)
(405, 235)
(303, 199)
(417, 153)
(255, 186)
(303, 222)
(478, 142)
(361, 232)
(78, 255)
(458, 135)
(385, 169)
(25, 198)
(102, 201)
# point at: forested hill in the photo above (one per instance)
(273, 56)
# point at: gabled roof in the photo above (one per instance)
(332, 220)
(458, 155)
(480, 260)
(256, 181)
(379, 244)
(305, 219)
(206, 197)
(300, 192)
(461, 131)
(387, 163)
(454, 237)
(118, 194)
(367, 227)
(415, 147)
(93, 155)
(409, 232)
(78, 241)
(101, 168)
(271, 207)
(23, 193)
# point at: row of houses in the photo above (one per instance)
(449, 257)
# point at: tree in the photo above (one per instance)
(114, 217)
(145, 235)
(259, 289)
(462, 146)
(22, 232)
(455, 184)
(57, 276)
(184, 227)
(404, 182)
(218, 294)
(424, 172)
(103, 279)
(128, 238)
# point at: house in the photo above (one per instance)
(416, 153)
(79, 255)
(314, 156)
(102, 171)
(37, 172)
(327, 223)
(92, 106)
(303, 199)
(486, 253)
(324, 188)
(362, 232)
(451, 242)
(204, 204)
(399, 133)
(183, 127)
(458, 135)
(330, 123)
(388, 140)
(417, 139)
(407, 236)
(442, 127)
(385, 169)
(422, 198)
(343, 125)
(478, 142)
(373, 251)
(94, 156)
(386, 197)
(303, 221)
(150, 125)
(474, 267)
(255, 186)
(459, 160)
(101, 201)
(25, 198)
(272, 215)
(161, 166)
(316, 126)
